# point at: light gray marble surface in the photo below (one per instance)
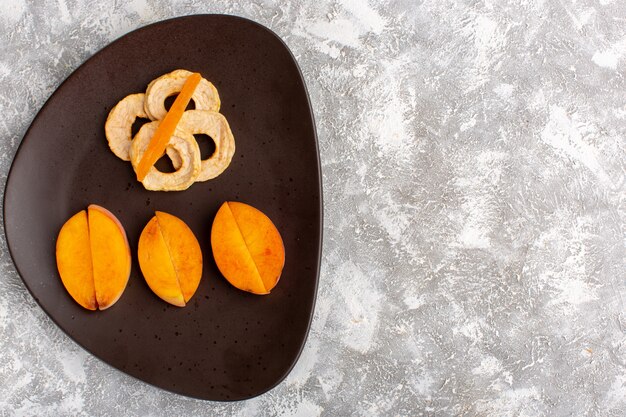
(473, 157)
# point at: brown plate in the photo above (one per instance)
(226, 344)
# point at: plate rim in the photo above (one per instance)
(72, 75)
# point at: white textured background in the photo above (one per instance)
(473, 157)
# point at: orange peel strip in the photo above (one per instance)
(167, 127)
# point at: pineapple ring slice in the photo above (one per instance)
(205, 97)
(216, 126)
(182, 148)
(119, 124)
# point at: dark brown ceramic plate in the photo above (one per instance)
(226, 344)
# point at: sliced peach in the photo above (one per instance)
(170, 258)
(247, 248)
(93, 258)
(231, 254)
(184, 251)
(156, 264)
(110, 254)
(73, 255)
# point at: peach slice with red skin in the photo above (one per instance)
(170, 258)
(93, 258)
(110, 254)
(247, 248)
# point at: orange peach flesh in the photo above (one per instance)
(247, 248)
(184, 250)
(262, 240)
(110, 255)
(170, 259)
(73, 255)
(93, 258)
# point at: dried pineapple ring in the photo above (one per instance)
(205, 96)
(216, 126)
(119, 124)
(186, 148)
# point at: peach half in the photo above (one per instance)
(247, 248)
(93, 258)
(170, 258)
